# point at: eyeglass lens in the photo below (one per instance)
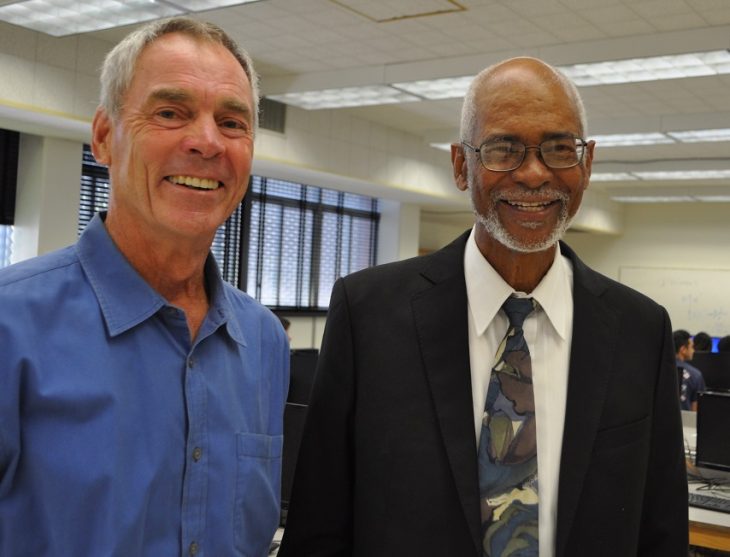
(508, 155)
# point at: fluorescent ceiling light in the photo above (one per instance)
(441, 146)
(630, 139)
(668, 198)
(684, 175)
(713, 198)
(435, 89)
(345, 97)
(650, 69)
(661, 175)
(652, 198)
(696, 136)
(67, 17)
(612, 177)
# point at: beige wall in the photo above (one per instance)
(675, 235)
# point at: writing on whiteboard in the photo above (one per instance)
(696, 299)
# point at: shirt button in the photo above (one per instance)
(191, 362)
(193, 549)
(197, 453)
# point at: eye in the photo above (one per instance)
(235, 126)
(166, 113)
(500, 148)
(232, 124)
(560, 146)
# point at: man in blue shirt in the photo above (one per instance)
(693, 382)
(141, 397)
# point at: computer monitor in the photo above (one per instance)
(715, 340)
(713, 423)
(715, 368)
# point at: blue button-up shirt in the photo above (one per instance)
(118, 435)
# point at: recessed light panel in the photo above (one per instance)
(345, 97)
(434, 89)
(630, 139)
(684, 175)
(612, 177)
(652, 68)
(653, 199)
(697, 136)
(68, 17)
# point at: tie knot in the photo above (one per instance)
(517, 309)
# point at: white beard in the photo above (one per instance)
(493, 225)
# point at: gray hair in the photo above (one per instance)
(118, 68)
(469, 108)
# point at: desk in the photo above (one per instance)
(709, 529)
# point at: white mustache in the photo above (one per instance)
(530, 196)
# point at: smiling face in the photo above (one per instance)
(529, 208)
(180, 151)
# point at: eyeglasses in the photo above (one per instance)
(503, 155)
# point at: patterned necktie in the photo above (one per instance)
(508, 446)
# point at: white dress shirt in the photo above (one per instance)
(548, 332)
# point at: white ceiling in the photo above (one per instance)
(303, 45)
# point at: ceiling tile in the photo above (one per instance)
(653, 8)
(535, 9)
(674, 22)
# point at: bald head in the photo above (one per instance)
(524, 75)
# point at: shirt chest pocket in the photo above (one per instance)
(258, 481)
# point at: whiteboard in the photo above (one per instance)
(696, 299)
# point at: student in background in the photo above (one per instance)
(141, 396)
(693, 382)
(286, 324)
(702, 342)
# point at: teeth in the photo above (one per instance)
(529, 206)
(200, 183)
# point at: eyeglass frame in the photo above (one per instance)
(579, 141)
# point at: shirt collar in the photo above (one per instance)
(125, 298)
(487, 290)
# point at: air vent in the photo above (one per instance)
(272, 115)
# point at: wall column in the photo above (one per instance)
(49, 181)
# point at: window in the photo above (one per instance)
(302, 238)
(94, 188)
(6, 244)
(285, 245)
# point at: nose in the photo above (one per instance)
(533, 173)
(205, 138)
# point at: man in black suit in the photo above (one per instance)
(389, 457)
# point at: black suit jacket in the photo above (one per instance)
(388, 460)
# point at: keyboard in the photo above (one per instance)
(709, 502)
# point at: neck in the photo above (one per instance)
(522, 271)
(175, 269)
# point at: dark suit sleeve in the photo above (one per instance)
(664, 525)
(319, 521)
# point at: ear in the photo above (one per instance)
(458, 161)
(101, 132)
(588, 161)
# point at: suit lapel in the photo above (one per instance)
(595, 327)
(440, 314)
